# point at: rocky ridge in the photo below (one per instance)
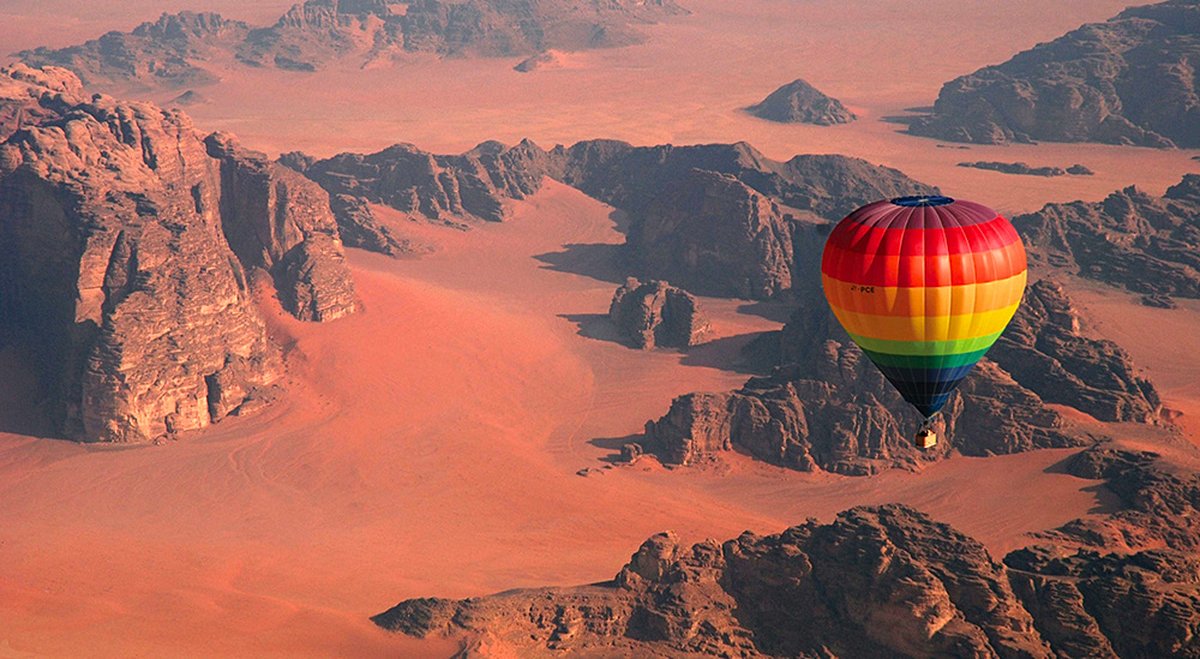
(798, 102)
(655, 314)
(121, 265)
(1130, 80)
(717, 219)
(174, 50)
(169, 52)
(876, 581)
(1131, 239)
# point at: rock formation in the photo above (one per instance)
(116, 266)
(1045, 351)
(1130, 80)
(169, 52)
(715, 235)
(655, 314)
(280, 221)
(1024, 169)
(1160, 503)
(1132, 239)
(800, 103)
(826, 407)
(631, 177)
(878, 581)
(712, 218)
(172, 51)
(549, 59)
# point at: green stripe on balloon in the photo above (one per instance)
(926, 348)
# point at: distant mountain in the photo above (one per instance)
(169, 52)
(172, 51)
(1130, 80)
(800, 103)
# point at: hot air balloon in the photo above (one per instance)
(924, 285)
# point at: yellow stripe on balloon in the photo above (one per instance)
(919, 301)
(926, 328)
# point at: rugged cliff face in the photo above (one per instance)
(278, 220)
(655, 314)
(117, 272)
(798, 102)
(1045, 351)
(173, 51)
(715, 235)
(877, 581)
(881, 581)
(1131, 80)
(1131, 239)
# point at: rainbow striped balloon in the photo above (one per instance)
(924, 285)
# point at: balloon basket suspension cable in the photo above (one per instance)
(926, 438)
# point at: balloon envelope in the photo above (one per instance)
(924, 285)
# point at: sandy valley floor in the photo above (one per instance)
(430, 444)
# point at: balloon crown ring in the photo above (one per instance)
(922, 200)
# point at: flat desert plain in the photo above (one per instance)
(429, 445)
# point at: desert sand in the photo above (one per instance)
(429, 445)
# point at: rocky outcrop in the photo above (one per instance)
(116, 267)
(1132, 239)
(631, 177)
(1130, 80)
(472, 185)
(169, 52)
(1160, 503)
(22, 89)
(1090, 604)
(798, 102)
(549, 59)
(715, 235)
(717, 219)
(1024, 169)
(173, 51)
(278, 220)
(655, 314)
(1045, 351)
(878, 581)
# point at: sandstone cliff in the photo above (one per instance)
(798, 102)
(1130, 80)
(281, 221)
(655, 314)
(1132, 239)
(877, 581)
(715, 235)
(116, 268)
